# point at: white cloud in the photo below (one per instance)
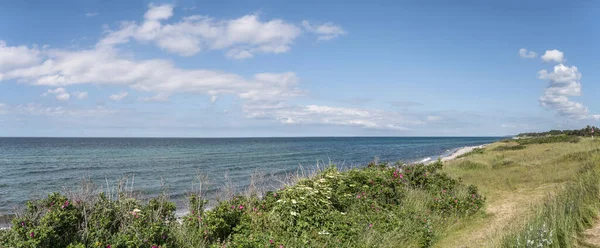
(118, 96)
(242, 37)
(12, 57)
(60, 93)
(159, 12)
(564, 82)
(91, 14)
(213, 99)
(328, 115)
(156, 98)
(553, 56)
(81, 95)
(524, 53)
(325, 31)
(37, 109)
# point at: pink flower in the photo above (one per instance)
(241, 207)
(280, 246)
(154, 246)
(271, 241)
(32, 234)
(108, 246)
(358, 197)
(232, 207)
(275, 195)
(22, 223)
(401, 176)
(370, 225)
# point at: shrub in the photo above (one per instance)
(548, 139)
(509, 148)
(333, 208)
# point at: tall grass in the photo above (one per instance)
(561, 217)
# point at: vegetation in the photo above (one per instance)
(543, 195)
(549, 139)
(380, 205)
(473, 152)
(587, 132)
(509, 148)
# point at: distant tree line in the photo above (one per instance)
(587, 131)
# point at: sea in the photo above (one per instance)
(33, 167)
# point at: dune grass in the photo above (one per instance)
(528, 190)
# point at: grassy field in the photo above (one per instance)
(527, 184)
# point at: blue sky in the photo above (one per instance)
(302, 68)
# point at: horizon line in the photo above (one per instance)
(242, 137)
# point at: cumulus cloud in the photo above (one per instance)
(118, 96)
(60, 93)
(325, 31)
(564, 82)
(242, 37)
(12, 57)
(524, 53)
(553, 56)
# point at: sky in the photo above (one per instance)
(188, 68)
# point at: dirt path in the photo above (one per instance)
(501, 216)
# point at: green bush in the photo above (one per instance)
(509, 148)
(411, 203)
(548, 139)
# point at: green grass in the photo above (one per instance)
(473, 152)
(520, 184)
(509, 148)
(548, 139)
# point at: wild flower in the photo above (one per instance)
(271, 241)
(241, 207)
(32, 234)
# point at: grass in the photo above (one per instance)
(526, 188)
(473, 152)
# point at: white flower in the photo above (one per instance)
(294, 201)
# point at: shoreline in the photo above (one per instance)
(458, 152)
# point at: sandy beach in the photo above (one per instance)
(462, 151)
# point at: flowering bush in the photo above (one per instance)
(408, 202)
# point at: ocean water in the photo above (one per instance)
(33, 167)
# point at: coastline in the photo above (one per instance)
(458, 152)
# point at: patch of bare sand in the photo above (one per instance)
(591, 236)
